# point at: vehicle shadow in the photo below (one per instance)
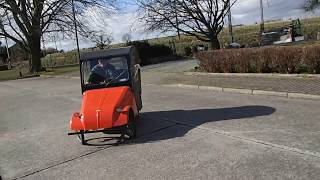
(152, 124)
(102, 141)
(160, 125)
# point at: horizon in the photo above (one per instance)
(127, 20)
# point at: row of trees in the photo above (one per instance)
(26, 21)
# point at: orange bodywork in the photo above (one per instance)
(104, 108)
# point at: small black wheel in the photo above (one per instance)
(131, 129)
(137, 117)
(81, 137)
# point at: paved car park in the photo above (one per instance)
(182, 134)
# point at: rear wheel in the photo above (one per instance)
(131, 129)
(137, 116)
(81, 137)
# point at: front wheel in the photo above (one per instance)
(131, 129)
(81, 137)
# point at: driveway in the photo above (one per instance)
(182, 134)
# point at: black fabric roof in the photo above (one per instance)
(105, 53)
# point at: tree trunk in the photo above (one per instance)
(214, 42)
(35, 51)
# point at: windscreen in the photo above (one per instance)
(105, 71)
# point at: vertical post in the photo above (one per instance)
(55, 42)
(262, 18)
(51, 62)
(75, 28)
(43, 47)
(176, 13)
(77, 40)
(101, 42)
(8, 52)
(6, 39)
(230, 23)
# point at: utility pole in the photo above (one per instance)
(6, 39)
(262, 18)
(8, 52)
(176, 13)
(55, 42)
(75, 28)
(230, 23)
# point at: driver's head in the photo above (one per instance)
(102, 62)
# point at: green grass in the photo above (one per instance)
(15, 73)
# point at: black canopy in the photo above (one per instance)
(106, 53)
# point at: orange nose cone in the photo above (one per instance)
(99, 107)
(75, 123)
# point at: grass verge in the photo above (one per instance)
(61, 70)
(15, 73)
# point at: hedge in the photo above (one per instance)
(273, 59)
(147, 51)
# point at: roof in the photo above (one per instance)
(105, 53)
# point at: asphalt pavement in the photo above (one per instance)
(182, 134)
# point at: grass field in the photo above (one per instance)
(15, 72)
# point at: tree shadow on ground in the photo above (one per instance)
(151, 124)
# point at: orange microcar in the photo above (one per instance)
(111, 88)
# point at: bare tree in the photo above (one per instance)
(126, 37)
(25, 21)
(101, 39)
(203, 19)
(312, 4)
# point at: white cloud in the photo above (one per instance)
(248, 11)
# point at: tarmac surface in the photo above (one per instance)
(182, 134)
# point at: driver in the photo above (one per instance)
(101, 72)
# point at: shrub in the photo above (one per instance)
(274, 59)
(188, 51)
(60, 59)
(187, 48)
(147, 51)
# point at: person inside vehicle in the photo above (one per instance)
(102, 72)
